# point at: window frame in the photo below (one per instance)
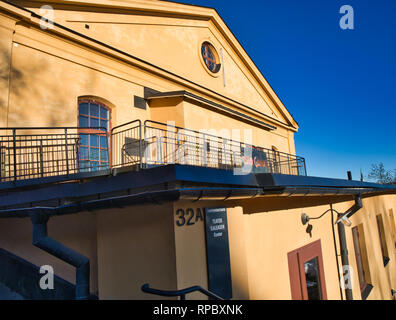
(206, 59)
(382, 238)
(89, 131)
(296, 260)
(359, 245)
(393, 225)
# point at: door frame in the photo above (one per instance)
(296, 259)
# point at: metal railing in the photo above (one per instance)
(180, 293)
(28, 153)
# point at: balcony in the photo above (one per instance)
(70, 152)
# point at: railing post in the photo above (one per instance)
(66, 153)
(14, 150)
(77, 144)
(41, 158)
(205, 150)
(305, 168)
(140, 145)
(109, 149)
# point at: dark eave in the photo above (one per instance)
(173, 183)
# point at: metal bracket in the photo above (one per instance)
(352, 210)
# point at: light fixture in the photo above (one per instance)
(344, 219)
(305, 218)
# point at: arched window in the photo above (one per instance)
(94, 121)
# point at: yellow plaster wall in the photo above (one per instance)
(136, 246)
(198, 118)
(270, 236)
(6, 31)
(383, 278)
(172, 43)
(46, 90)
(168, 110)
(191, 249)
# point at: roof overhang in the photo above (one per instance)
(179, 182)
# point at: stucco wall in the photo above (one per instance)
(136, 246)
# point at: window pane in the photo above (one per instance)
(104, 156)
(83, 122)
(94, 123)
(94, 140)
(381, 232)
(94, 165)
(104, 113)
(359, 262)
(84, 166)
(311, 269)
(203, 50)
(103, 142)
(83, 153)
(94, 110)
(104, 124)
(84, 139)
(94, 154)
(210, 54)
(84, 108)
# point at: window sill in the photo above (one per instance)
(366, 291)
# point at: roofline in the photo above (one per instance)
(236, 39)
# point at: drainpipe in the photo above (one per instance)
(344, 250)
(344, 257)
(55, 248)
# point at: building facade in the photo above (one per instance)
(141, 145)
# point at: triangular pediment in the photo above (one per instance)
(169, 35)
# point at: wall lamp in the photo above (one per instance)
(342, 217)
(305, 218)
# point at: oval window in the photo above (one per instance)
(210, 57)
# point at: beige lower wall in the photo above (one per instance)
(132, 246)
(77, 232)
(191, 249)
(383, 278)
(135, 246)
(271, 235)
(269, 238)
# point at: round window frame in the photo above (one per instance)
(215, 53)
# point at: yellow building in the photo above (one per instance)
(141, 145)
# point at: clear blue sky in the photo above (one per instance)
(340, 85)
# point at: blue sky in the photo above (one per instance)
(339, 85)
